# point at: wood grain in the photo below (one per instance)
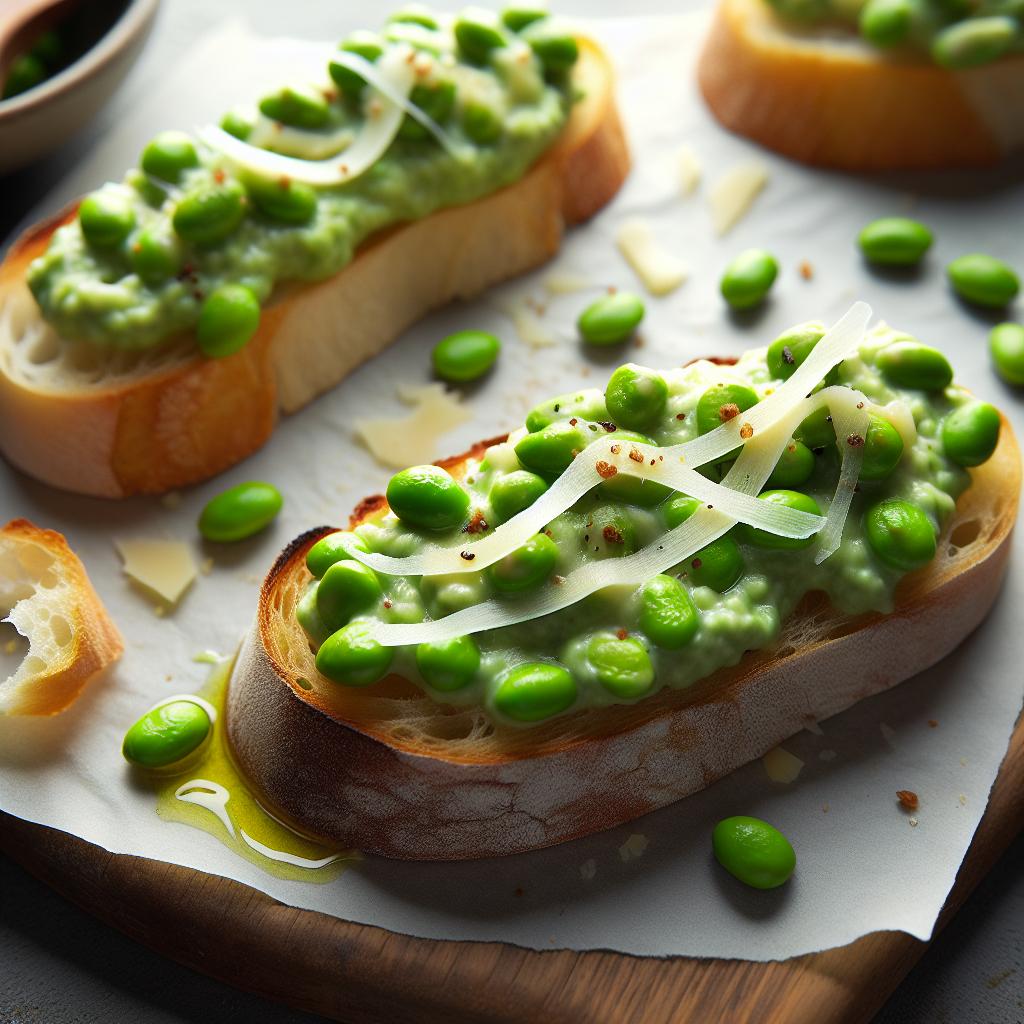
(358, 974)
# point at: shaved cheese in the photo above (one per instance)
(411, 440)
(850, 421)
(385, 105)
(689, 170)
(166, 568)
(582, 475)
(782, 766)
(528, 326)
(562, 282)
(658, 270)
(298, 142)
(733, 194)
(633, 848)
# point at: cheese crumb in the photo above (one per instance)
(734, 193)
(528, 326)
(165, 568)
(888, 734)
(659, 271)
(781, 765)
(588, 869)
(172, 499)
(411, 440)
(562, 282)
(633, 848)
(689, 171)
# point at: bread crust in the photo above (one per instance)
(841, 103)
(194, 417)
(324, 763)
(94, 642)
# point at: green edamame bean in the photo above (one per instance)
(155, 255)
(513, 492)
(284, 200)
(970, 433)
(526, 567)
(347, 588)
(790, 499)
(415, 14)
(535, 690)
(550, 451)
(610, 532)
(228, 318)
(632, 490)
(795, 465)
(753, 851)
(478, 33)
(719, 404)
(717, 565)
(788, 351)
(611, 319)
(240, 511)
(883, 449)
(886, 23)
(900, 534)
(909, 364)
(1006, 344)
(146, 187)
(748, 278)
(517, 18)
(167, 734)
(556, 50)
(465, 356)
(436, 101)
(299, 106)
(332, 548)
(975, 41)
(895, 241)
(427, 497)
(308, 616)
(668, 616)
(636, 397)
(482, 123)
(816, 430)
(26, 72)
(352, 657)
(678, 509)
(168, 155)
(983, 280)
(106, 219)
(238, 122)
(622, 666)
(210, 212)
(584, 405)
(367, 45)
(449, 664)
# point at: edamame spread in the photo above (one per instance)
(191, 240)
(622, 644)
(955, 33)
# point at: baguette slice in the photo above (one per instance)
(120, 424)
(46, 594)
(386, 770)
(825, 97)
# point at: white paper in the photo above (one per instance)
(861, 866)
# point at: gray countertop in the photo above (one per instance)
(60, 965)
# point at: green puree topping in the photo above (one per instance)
(957, 34)
(192, 240)
(623, 643)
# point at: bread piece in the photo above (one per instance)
(118, 424)
(826, 97)
(46, 594)
(387, 770)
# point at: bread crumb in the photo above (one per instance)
(907, 798)
(588, 869)
(933, 723)
(782, 766)
(912, 822)
(824, 808)
(172, 499)
(206, 566)
(518, 891)
(633, 848)
(963, 799)
(806, 270)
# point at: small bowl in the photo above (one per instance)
(41, 119)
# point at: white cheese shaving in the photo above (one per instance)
(689, 171)
(563, 282)
(588, 870)
(166, 568)
(298, 142)
(850, 421)
(659, 270)
(528, 326)
(733, 194)
(411, 440)
(782, 766)
(633, 848)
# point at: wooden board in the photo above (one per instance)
(356, 973)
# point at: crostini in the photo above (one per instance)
(565, 628)
(912, 89)
(151, 334)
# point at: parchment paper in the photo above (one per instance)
(862, 866)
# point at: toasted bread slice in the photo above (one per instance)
(46, 594)
(119, 423)
(826, 97)
(387, 770)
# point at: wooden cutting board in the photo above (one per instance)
(355, 973)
